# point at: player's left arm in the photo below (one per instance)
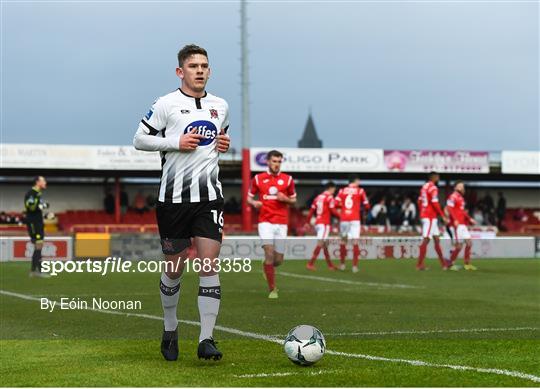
(290, 196)
(450, 211)
(310, 214)
(223, 140)
(333, 208)
(469, 217)
(436, 206)
(30, 203)
(365, 201)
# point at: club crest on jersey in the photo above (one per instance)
(280, 182)
(213, 114)
(205, 128)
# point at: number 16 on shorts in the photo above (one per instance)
(217, 220)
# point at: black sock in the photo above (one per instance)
(36, 260)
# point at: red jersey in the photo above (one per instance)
(429, 201)
(268, 186)
(349, 199)
(455, 205)
(323, 207)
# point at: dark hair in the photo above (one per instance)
(273, 153)
(458, 182)
(353, 177)
(330, 184)
(36, 179)
(432, 173)
(189, 50)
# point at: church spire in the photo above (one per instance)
(309, 137)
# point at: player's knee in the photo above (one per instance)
(174, 272)
(268, 254)
(174, 266)
(278, 259)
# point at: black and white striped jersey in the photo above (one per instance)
(186, 177)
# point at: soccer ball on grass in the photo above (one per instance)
(304, 345)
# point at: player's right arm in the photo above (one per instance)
(338, 203)
(450, 211)
(253, 190)
(312, 210)
(31, 202)
(434, 192)
(150, 135)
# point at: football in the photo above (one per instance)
(304, 345)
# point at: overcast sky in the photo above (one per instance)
(429, 75)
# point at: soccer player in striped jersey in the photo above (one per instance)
(189, 128)
(430, 209)
(460, 219)
(323, 207)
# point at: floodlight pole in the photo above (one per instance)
(246, 169)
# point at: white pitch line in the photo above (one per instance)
(285, 374)
(349, 282)
(459, 330)
(264, 375)
(253, 335)
(510, 373)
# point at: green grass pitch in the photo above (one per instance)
(485, 321)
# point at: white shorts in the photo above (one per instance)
(350, 230)
(461, 232)
(273, 234)
(323, 230)
(430, 228)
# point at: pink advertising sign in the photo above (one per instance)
(443, 161)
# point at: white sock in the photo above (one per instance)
(170, 292)
(208, 301)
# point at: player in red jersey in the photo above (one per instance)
(460, 219)
(349, 200)
(323, 207)
(276, 192)
(429, 210)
